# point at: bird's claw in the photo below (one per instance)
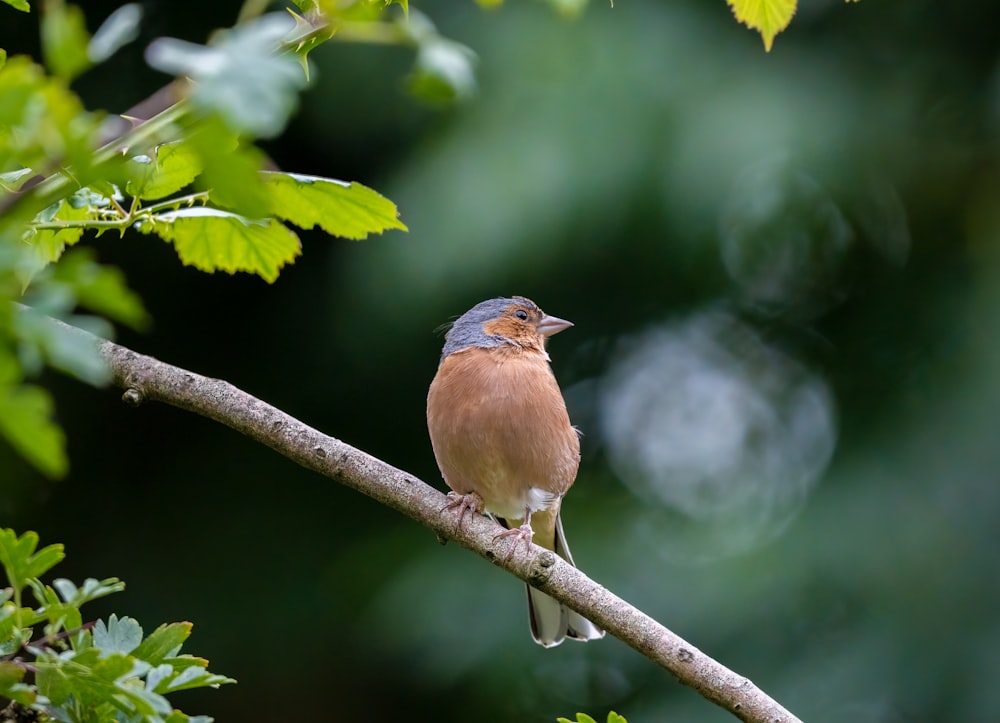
(524, 533)
(464, 503)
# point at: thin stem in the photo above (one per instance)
(17, 605)
(84, 223)
(172, 203)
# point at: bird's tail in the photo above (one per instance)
(551, 621)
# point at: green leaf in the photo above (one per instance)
(213, 240)
(52, 679)
(163, 642)
(19, 559)
(230, 170)
(120, 28)
(64, 39)
(26, 421)
(241, 76)
(42, 341)
(100, 288)
(172, 167)
(194, 676)
(40, 119)
(10, 674)
(307, 36)
(92, 589)
(443, 72)
(3, 57)
(768, 17)
(47, 245)
(19, 5)
(13, 180)
(59, 616)
(342, 209)
(178, 717)
(117, 636)
(615, 718)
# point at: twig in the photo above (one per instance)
(147, 379)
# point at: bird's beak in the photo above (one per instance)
(550, 325)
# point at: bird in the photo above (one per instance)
(503, 441)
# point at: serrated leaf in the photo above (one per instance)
(117, 636)
(94, 682)
(142, 701)
(342, 209)
(61, 616)
(92, 589)
(26, 413)
(19, 559)
(120, 28)
(615, 718)
(193, 677)
(181, 662)
(768, 17)
(172, 166)
(308, 36)
(163, 642)
(64, 39)
(213, 240)
(241, 76)
(48, 245)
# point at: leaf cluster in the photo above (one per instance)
(584, 718)
(191, 176)
(64, 669)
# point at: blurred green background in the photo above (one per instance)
(784, 273)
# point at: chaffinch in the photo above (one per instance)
(502, 437)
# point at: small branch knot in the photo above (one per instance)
(685, 656)
(539, 572)
(132, 397)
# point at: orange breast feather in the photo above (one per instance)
(499, 427)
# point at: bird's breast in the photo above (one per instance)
(499, 427)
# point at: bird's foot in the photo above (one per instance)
(524, 533)
(464, 503)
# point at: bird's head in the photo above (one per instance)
(515, 321)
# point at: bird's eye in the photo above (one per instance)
(521, 314)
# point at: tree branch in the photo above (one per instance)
(147, 379)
